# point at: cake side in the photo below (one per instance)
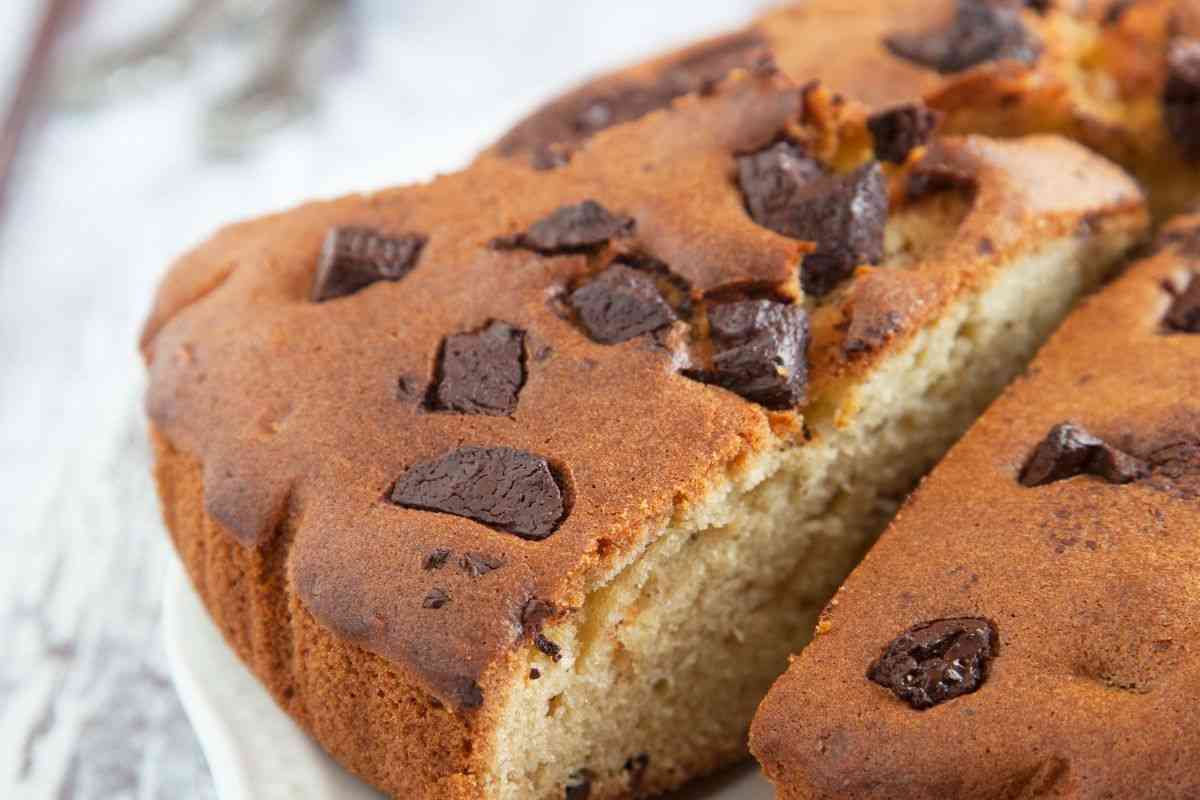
(1065, 520)
(452, 420)
(1119, 77)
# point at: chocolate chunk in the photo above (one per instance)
(354, 258)
(980, 31)
(436, 559)
(1181, 97)
(436, 599)
(478, 564)
(546, 646)
(466, 692)
(579, 785)
(635, 768)
(1184, 314)
(774, 184)
(480, 372)
(511, 490)
(1069, 450)
(937, 661)
(1040, 6)
(761, 352)
(534, 673)
(792, 194)
(847, 221)
(571, 229)
(619, 304)
(1116, 10)
(900, 130)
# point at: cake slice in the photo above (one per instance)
(1122, 77)
(525, 485)
(1028, 625)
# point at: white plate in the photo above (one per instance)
(256, 752)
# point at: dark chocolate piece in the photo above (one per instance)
(479, 564)
(981, 31)
(480, 372)
(571, 229)
(546, 646)
(761, 352)
(1181, 97)
(635, 769)
(619, 304)
(354, 258)
(511, 490)
(437, 598)
(937, 661)
(898, 131)
(1116, 10)
(774, 184)
(579, 785)
(847, 222)
(792, 194)
(1184, 314)
(436, 559)
(1069, 450)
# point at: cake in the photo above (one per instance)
(1121, 76)
(1027, 627)
(525, 484)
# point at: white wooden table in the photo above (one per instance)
(101, 203)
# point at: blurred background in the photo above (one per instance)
(156, 121)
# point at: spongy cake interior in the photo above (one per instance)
(663, 667)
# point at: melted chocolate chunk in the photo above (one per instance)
(511, 490)
(619, 304)
(761, 352)
(354, 258)
(1181, 97)
(548, 647)
(481, 372)
(436, 559)
(1184, 314)
(478, 564)
(1069, 450)
(579, 785)
(937, 661)
(571, 229)
(792, 194)
(900, 130)
(437, 598)
(981, 31)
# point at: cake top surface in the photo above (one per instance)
(462, 405)
(1065, 522)
(1097, 70)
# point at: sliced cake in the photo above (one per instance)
(525, 485)
(1028, 626)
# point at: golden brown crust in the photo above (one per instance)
(1098, 79)
(1091, 585)
(356, 703)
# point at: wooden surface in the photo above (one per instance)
(100, 204)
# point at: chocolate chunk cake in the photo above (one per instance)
(525, 484)
(1121, 76)
(1028, 625)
